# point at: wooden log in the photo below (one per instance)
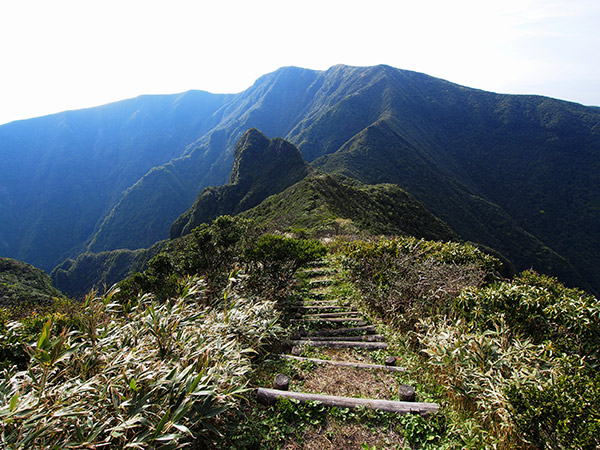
(318, 295)
(333, 315)
(320, 307)
(316, 272)
(320, 303)
(355, 365)
(269, 396)
(364, 338)
(359, 321)
(368, 329)
(341, 344)
(281, 382)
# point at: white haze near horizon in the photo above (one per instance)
(70, 54)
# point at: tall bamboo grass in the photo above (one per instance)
(154, 376)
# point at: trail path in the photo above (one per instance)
(345, 373)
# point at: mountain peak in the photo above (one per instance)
(258, 158)
(261, 167)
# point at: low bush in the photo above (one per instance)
(406, 279)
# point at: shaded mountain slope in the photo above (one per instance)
(318, 204)
(76, 277)
(332, 204)
(261, 167)
(61, 174)
(23, 284)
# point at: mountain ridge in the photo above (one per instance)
(533, 157)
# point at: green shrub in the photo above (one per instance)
(540, 308)
(275, 259)
(406, 279)
(563, 413)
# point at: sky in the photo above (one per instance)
(70, 54)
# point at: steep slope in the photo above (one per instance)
(381, 154)
(21, 283)
(332, 204)
(76, 277)
(318, 204)
(274, 104)
(61, 174)
(261, 167)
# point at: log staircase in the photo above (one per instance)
(324, 321)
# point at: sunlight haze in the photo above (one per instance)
(64, 55)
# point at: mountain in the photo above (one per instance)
(261, 167)
(515, 173)
(76, 277)
(23, 284)
(317, 204)
(325, 204)
(61, 174)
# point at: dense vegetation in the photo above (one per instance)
(517, 359)
(22, 285)
(317, 206)
(327, 205)
(157, 362)
(166, 358)
(99, 271)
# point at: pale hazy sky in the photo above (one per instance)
(68, 54)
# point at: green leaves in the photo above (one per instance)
(161, 375)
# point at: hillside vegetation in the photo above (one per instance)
(157, 362)
(329, 205)
(516, 359)
(22, 285)
(170, 356)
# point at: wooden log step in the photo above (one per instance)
(323, 303)
(269, 396)
(320, 307)
(355, 365)
(340, 344)
(333, 315)
(359, 322)
(316, 272)
(368, 329)
(318, 263)
(363, 338)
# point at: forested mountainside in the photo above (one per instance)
(24, 285)
(515, 173)
(61, 174)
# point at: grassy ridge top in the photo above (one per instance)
(328, 204)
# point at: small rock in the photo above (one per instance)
(296, 350)
(390, 361)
